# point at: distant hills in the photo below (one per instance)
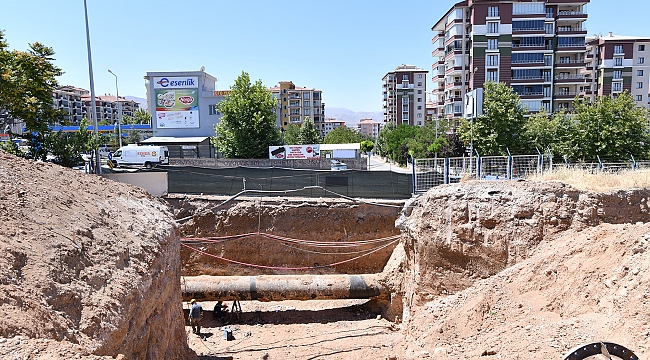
(141, 101)
(352, 118)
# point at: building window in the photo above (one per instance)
(493, 44)
(419, 99)
(419, 115)
(641, 47)
(618, 74)
(405, 100)
(639, 85)
(419, 91)
(639, 98)
(618, 62)
(639, 73)
(212, 110)
(493, 27)
(419, 83)
(305, 103)
(618, 49)
(405, 77)
(492, 75)
(640, 60)
(306, 111)
(419, 76)
(493, 60)
(617, 86)
(419, 107)
(493, 11)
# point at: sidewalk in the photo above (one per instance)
(377, 163)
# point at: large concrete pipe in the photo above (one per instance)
(281, 287)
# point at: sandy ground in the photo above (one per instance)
(340, 329)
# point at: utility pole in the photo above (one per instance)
(93, 112)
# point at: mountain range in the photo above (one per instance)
(350, 117)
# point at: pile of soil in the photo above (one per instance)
(89, 268)
(525, 270)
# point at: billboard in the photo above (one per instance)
(294, 152)
(177, 108)
(189, 82)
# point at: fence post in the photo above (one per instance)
(413, 167)
(600, 163)
(478, 167)
(540, 164)
(634, 164)
(509, 170)
(446, 170)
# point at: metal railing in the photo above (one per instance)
(433, 172)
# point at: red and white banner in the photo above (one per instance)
(294, 152)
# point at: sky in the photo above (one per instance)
(343, 48)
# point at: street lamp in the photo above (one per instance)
(119, 109)
(93, 113)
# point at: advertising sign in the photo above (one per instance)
(221, 92)
(177, 108)
(188, 82)
(294, 152)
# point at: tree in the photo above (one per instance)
(382, 138)
(501, 126)
(68, 147)
(291, 136)
(342, 135)
(27, 81)
(308, 135)
(134, 137)
(553, 132)
(247, 127)
(611, 127)
(140, 116)
(367, 146)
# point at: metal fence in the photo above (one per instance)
(433, 172)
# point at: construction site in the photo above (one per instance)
(95, 269)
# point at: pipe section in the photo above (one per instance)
(281, 287)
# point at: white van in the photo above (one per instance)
(147, 156)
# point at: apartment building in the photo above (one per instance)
(330, 124)
(369, 127)
(404, 92)
(616, 63)
(538, 48)
(296, 103)
(76, 103)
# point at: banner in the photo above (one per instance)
(294, 152)
(177, 108)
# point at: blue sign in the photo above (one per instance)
(110, 156)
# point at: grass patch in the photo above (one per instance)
(603, 181)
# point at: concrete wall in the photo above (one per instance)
(154, 182)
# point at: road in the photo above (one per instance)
(378, 164)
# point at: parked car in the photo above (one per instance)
(337, 165)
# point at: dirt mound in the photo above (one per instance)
(88, 267)
(525, 270)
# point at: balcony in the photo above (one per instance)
(526, 47)
(524, 63)
(570, 63)
(539, 78)
(569, 78)
(571, 14)
(539, 30)
(566, 94)
(572, 31)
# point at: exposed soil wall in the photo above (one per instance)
(524, 269)
(88, 267)
(327, 221)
